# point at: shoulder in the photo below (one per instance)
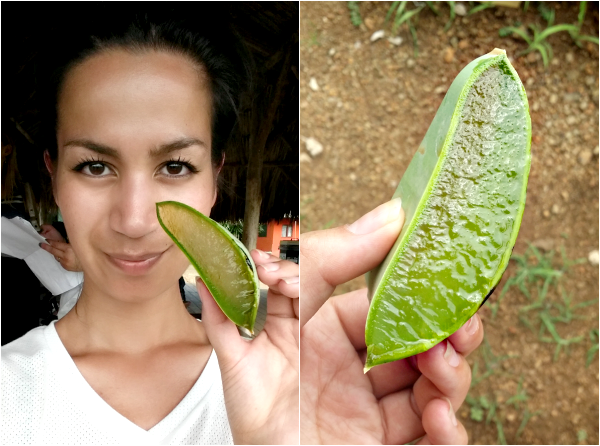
(24, 377)
(24, 355)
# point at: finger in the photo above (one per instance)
(468, 337)
(441, 425)
(57, 253)
(284, 284)
(401, 422)
(446, 374)
(280, 305)
(221, 332)
(351, 310)
(62, 246)
(281, 276)
(391, 377)
(334, 256)
(51, 233)
(261, 257)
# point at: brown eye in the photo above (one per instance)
(97, 169)
(174, 168)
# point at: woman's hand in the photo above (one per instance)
(49, 232)
(394, 403)
(260, 377)
(59, 248)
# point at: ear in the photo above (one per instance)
(50, 168)
(217, 172)
(48, 162)
(220, 166)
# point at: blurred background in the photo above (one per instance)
(370, 87)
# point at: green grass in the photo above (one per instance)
(537, 278)
(580, 38)
(532, 267)
(594, 348)
(355, 16)
(537, 40)
(481, 7)
(452, 16)
(487, 408)
(549, 309)
(402, 15)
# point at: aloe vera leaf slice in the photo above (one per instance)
(463, 195)
(223, 262)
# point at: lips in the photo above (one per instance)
(135, 264)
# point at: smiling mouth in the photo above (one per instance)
(135, 265)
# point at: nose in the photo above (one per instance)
(133, 212)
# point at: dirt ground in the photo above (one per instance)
(372, 107)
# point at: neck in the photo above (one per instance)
(103, 323)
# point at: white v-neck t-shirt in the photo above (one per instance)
(46, 400)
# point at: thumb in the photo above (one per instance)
(222, 333)
(335, 256)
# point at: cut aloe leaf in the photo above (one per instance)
(222, 261)
(463, 195)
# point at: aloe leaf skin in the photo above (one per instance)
(463, 195)
(222, 262)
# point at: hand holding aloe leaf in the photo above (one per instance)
(395, 403)
(260, 378)
(434, 253)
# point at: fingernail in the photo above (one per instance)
(472, 326)
(377, 218)
(270, 266)
(291, 280)
(451, 414)
(450, 356)
(262, 254)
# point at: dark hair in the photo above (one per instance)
(207, 42)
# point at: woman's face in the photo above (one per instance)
(133, 130)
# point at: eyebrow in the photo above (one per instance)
(157, 152)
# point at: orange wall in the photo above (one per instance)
(271, 242)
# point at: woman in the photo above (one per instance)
(142, 116)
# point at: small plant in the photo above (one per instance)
(538, 41)
(546, 13)
(403, 15)
(594, 348)
(577, 37)
(528, 274)
(329, 224)
(526, 417)
(355, 17)
(479, 406)
(481, 7)
(491, 362)
(549, 317)
(452, 16)
(519, 397)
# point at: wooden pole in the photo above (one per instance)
(263, 117)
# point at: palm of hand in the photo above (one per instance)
(338, 401)
(394, 403)
(266, 378)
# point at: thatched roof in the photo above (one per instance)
(270, 32)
